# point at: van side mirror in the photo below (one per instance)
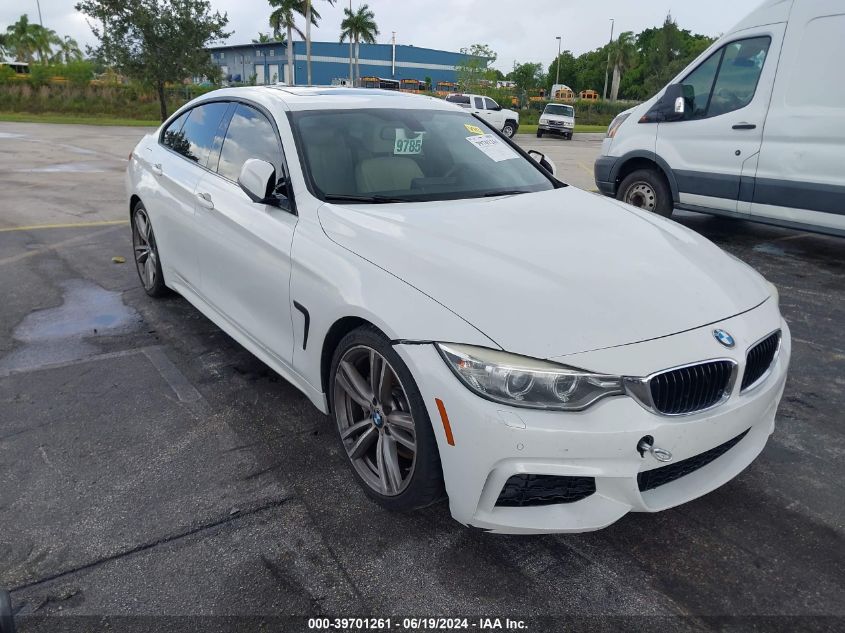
(672, 106)
(258, 181)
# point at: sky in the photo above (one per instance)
(518, 31)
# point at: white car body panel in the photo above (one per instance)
(553, 265)
(561, 274)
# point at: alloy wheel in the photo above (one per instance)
(642, 195)
(375, 421)
(146, 253)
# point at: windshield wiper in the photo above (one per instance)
(507, 192)
(332, 197)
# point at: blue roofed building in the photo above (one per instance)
(267, 62)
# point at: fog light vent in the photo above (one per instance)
(543, 490)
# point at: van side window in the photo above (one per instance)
(727, 80)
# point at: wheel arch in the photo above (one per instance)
(340, 328)
(133, 200)
(645, 160)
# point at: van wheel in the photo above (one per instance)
(510, 129)
(648, 190)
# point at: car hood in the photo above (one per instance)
(557, 117)
(552, 273)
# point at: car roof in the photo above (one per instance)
(331, 97)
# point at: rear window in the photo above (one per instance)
(459, 99)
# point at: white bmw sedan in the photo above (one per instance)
(548, 359)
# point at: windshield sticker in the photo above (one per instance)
(493, 147)
(404, 145)
(473, 128)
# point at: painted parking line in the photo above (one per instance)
(69, 225)
(56, 246)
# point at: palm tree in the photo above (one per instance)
(22, 38)
(623, 56)
(309, 16)
(357, 27)
(284, 17)
(27, 39)
(4, 39)
(68, 51)
(263, 38)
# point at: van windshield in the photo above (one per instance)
(401, 155)
(559, 110)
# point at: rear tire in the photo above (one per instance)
(383, 424)
(145, 253)
(510, 129)
(648, 190)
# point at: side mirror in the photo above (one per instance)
(672, 106)
(258, 180)
(497, 108)
(545, 163)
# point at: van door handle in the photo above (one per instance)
(205, 200)
(744, 126)
(156, 169)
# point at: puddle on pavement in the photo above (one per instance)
(67, 332)
(769, 249)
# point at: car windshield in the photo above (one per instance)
(401, 155)
(560, 110)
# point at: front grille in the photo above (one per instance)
(650, 479)
(543, 490)
(759, 359)
(692, 388)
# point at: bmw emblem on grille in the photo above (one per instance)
(724, 338)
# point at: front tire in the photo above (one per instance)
(382, 423)
(539, 134)
(145, 251)
(647, 189)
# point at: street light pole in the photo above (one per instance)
(557, 61)
(40, 21)
(607, 66)
(351, 73)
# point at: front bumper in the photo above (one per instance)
(603, 172)
(493, 442)
(555, 129)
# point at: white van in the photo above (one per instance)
(754, 128)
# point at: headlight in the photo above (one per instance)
(527, 382)
(614, 125)
(544, 121)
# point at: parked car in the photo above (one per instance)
(557, 118)
(506, 121)
(548, 359)
(753, 129)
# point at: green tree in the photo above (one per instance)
(284, 17)
(309, 19)
(263, 38)
(623, 56)
(156, 41)
(357, 27)
(68, 51)
(26, 40)
(473, 68)
(527, 77)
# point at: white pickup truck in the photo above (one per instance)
(498, 117)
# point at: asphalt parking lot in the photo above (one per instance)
(149, 465)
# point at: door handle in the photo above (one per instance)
(156, 169)
(744, 126)
(205, 200)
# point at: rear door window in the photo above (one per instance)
(250, 135)
(199, 131)
(479, 103)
